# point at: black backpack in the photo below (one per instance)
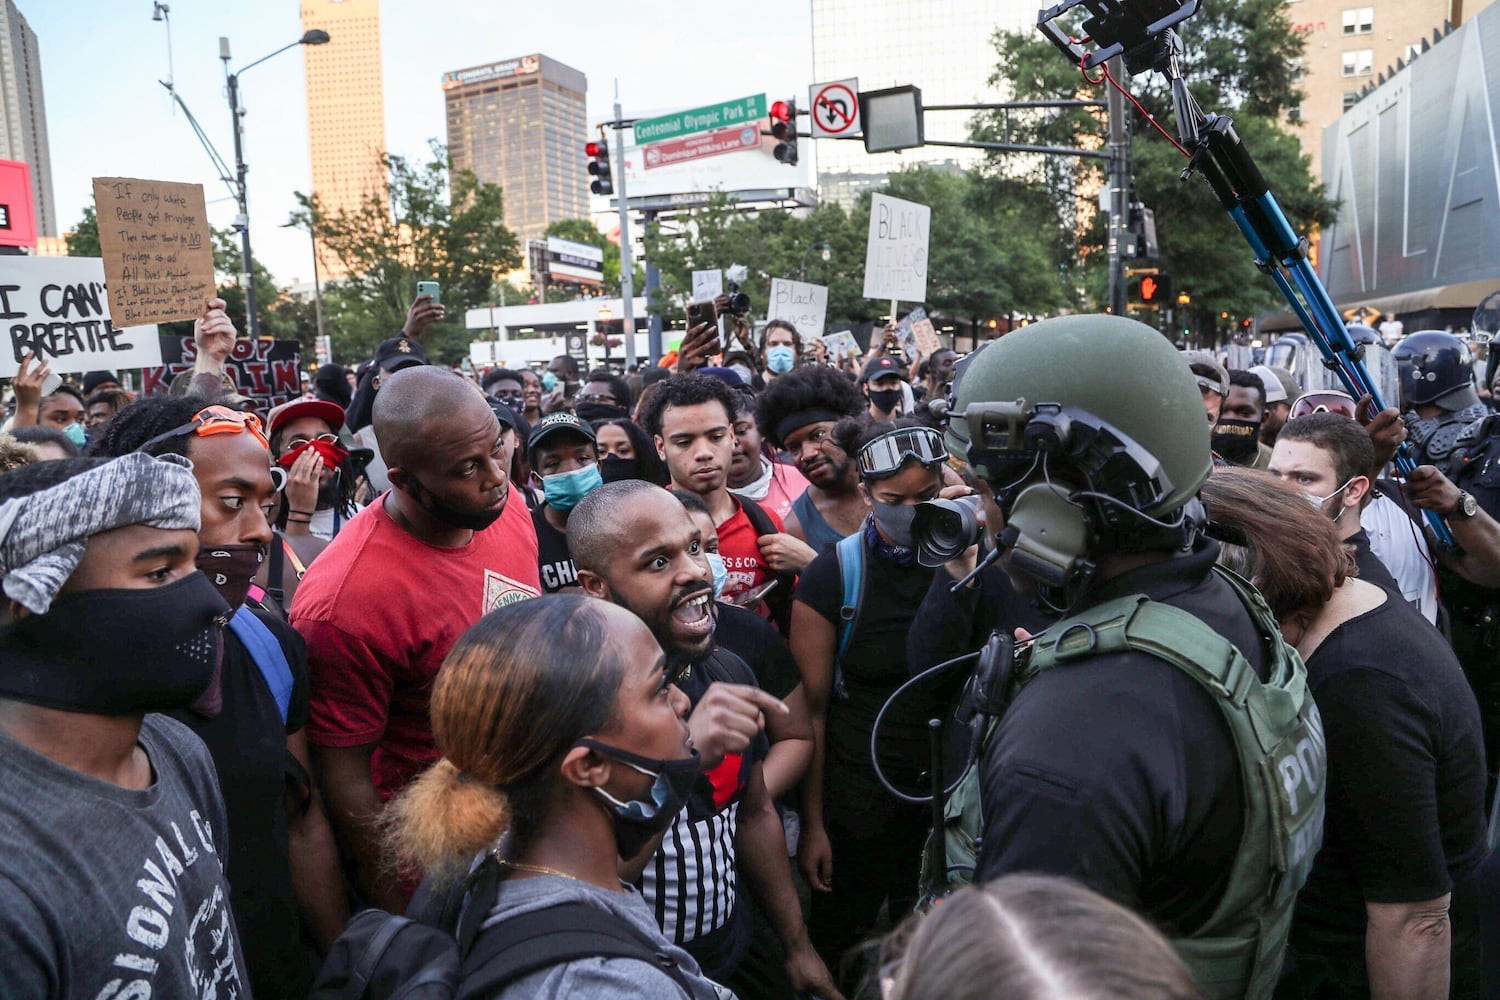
(441, 954)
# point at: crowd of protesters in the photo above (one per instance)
(643, 682)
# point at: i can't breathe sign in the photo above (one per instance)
(58, 308)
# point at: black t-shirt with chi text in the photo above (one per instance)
(554, 560)
(1406, 783)
(247, 741)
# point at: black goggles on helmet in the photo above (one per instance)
(885, 455)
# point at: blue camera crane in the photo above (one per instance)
(1143, 33)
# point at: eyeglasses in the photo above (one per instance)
(302, 439)
(212, 420)
(886, 454)
(1323, 401)
(597, 397)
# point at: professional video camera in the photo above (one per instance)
(739, 302)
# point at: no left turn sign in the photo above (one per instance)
(834, 108)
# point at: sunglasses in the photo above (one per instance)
(886, 454)
(213, 420)
(303, 439)
(1323, 401)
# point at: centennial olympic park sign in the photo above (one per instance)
(744, 111)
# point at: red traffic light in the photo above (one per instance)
(781, 111)
(1149, 288)
(593, 149)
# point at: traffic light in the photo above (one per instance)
(598, 154)
(1142, 229)
(784, 128)
(1152, 290)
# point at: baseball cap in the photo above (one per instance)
(728, 376)
(1211, 376)
(876, 367)
(398, 353)
(93, 380)
(331, 414)
(556, 423)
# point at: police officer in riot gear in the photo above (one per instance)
(1437, 393)
(1114, 754)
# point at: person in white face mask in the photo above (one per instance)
(1328, 458)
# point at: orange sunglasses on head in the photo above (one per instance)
(216, 419)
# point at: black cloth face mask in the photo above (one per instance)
(886, 400)
(450, 515)
(120, 651)
(589, 412)
(638, 820)
(613, 468)
(1237, 440)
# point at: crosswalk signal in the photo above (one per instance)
(784, 128)
(1152, 290)
(598, 154)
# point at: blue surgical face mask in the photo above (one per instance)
(744, 373)
(565, 490)
(720, 571)
(780, 359)
(76, 434)
(549, 381)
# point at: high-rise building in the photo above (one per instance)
(23, 116)
(520, 123)
(944, 47)
(345, 107)
(1352, 43)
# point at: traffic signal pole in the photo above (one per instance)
(1119, 169)
(627, 266)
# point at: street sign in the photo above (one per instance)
(746, 110)
(693, 147)
(834, 108)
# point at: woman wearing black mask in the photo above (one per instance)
(565, 749)
(860, 847)
(627, 452)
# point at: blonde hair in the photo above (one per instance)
(517, 691)
(1032, 937)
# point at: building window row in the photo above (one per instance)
(1358, 62)
(1359, 20)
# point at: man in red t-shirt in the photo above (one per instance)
(381, 606)
(691, 418)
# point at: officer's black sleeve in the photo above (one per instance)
(949, 625)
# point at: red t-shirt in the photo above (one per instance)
(380, 610)
(739, 547)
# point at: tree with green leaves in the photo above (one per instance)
(432, 223)
(1240, 60)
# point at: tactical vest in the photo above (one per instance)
(1278, 737)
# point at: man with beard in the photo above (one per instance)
(385, 601)
(1236, 436)
(603, 396)
(113, 845)
(797, 413)
(252, 716)
(1281, 390)
(729, 829)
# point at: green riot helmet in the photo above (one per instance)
(1090, 430)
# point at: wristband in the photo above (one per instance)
(299, 520)
(294, 510)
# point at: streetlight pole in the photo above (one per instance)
(242, 219)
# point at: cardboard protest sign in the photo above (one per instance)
(266, 370)
(57, 307)
(896, 251)
(926, 336)
(707, 285)
(800, 304)
(158, 254)
(841, 344)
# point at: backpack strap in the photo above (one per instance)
(265, 649)
(851, 556)
(545, 938)
(275, 568)
(778, 601)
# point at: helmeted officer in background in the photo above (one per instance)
(1185, 782)
(1451, 429)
